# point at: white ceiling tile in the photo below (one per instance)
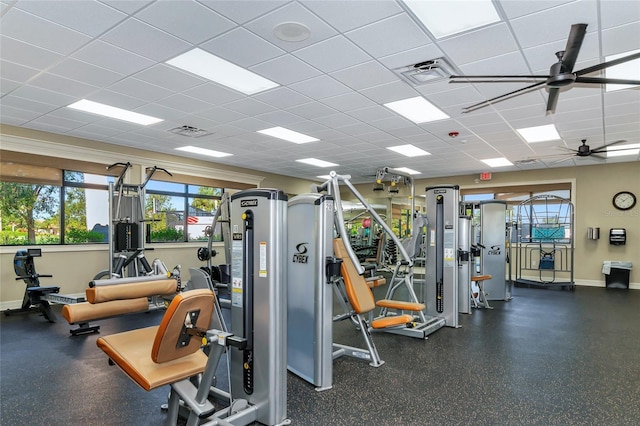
(251, 124)
(187, 20)
(286, 69)
(411, 56)
(293, 12)
(371, 114)
(140, 89)
(358, 129)
(16, 72)
(242, 47)
(337, 120)
(169, 77)
(554, 24)
(63, 123)
(185, 103)
(621, 39)
(391, 123)
(390, 92)
(213, 93)
(45, 34)
(221, 115)
(625, 12)
(320, 87)
(116, 99)
(113, 58)
(161, 111)
(244, 11)
(348, 102)
(27, 55)
(389, 36)
(495, 40)
(127, 6)
(85, 73)
(249, 107)
(280, 118)
(312, 110)
(365, 75)
(94, 129)
(88, 17)
(150, 42)
(27, 104)
(333, 54)
(282, 97)
(348, 15)
(517, 8)
(63, 85)
(7, 86)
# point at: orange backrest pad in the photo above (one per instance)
(358, 292)
(165, 346)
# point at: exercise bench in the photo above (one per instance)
(114, 297)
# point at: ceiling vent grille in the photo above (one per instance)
(425, 72)
(189, 131)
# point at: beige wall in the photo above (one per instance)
(592, 197)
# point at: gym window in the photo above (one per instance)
(180, 212)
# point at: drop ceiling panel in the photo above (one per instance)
(375, 39)
(365, 75)
(495, 40)
(91, 18)
(27, 55)
(242, 12)
(63, 85)
(281, 97)
(187, 20)
(333, 54)
(346, 16)
(85, 73)
(286, 69)
(242, 47)
(320, 87)
(113, 58)
(150, 42)
(169, 77)
(40, 32)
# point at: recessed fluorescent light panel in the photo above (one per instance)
(408, 150)
(316, 162)
(627, 70)
(324, 177)
(623, 150)
(539, 133)
(417, 109)
(408, 170)
(113, 112)
(287, 135)
(497, 162)
(445, 18)
(206, 65)
(203, 151)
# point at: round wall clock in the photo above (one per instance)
(624, 200)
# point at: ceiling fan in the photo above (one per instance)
(583, 150)
(561, 73)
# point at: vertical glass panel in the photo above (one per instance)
(30, 214)
(165, 215)
(86, 215)
(201, 213)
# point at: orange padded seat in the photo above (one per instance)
(153, 356)
(85, 311)
(99, 294)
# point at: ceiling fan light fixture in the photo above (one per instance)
(539, 133)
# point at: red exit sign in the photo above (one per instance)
(485, 176)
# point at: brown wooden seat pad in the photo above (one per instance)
(481, 278)
(100, 294)
(400, 304)
(391, 321)
(131, 351)
(85, 311)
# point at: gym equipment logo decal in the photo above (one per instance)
(301, 255)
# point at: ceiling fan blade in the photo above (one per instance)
(498, 98)
(603, 65)
(553, 99)
(602, 80)
(604, 147)
(574, 42)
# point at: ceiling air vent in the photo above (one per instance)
(426, 71)
(192, 132)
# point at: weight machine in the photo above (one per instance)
(127, 228)
(256, 344)
(403, 274)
